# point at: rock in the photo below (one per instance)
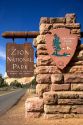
(32, 115)
(42, 52)
(76, 58)
(41, 88)
(49, 70)
(57, 20)
(35, 42)
(73, 25)
(44, 28)
(43, 78)
(54, 109)
(70, 18)
(75, 31)
(41, 47)
(80, 47)
(58, 25)
(73, 78)
(60, 87)
(45, 60)
(70, 101)
(68, 94)
(77, 109)
(50, 97)
(40, 39)
(57, 78)
(77, 87)
(81, 95)
(44, 20)
(80, 54)
(34, 104)
(80, 63)
(76, 69)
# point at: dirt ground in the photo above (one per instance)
(16, 116)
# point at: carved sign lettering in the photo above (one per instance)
(19, 60)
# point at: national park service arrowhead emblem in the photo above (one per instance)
(61, 46)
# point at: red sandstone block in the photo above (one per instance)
(44, 28)
(75, 31)
(58, 25)
(57, 20)
(50, 97)
(73, 78)
(34, 104)
(69, 94)
(49, 70)
(40, 39)
(32, 114)
(70, 18)
(58, 77)
(35, 42)
(73, 25)
(76, 69)
(41, 47)
(77, 109)
(45, 60)
(77, 87)
(43, 78)
(60, 87)
(54, 109)
(42, 52)
(41, 88)
(70, 101)
(44, 20)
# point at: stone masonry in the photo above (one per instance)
(59, 92)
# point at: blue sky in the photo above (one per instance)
(24, 15)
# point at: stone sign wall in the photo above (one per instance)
(59, 92)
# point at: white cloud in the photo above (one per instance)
(2, 54)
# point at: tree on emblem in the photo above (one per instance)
(57, 48)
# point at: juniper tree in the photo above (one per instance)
(56, 44)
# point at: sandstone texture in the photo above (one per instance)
(50, 98)
(60, 92)
(34, 104)
(57, 78)
(73, 78)
(60, 87)
(41, 88)
(41, 79)
(54, 109)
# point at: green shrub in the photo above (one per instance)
(26, 85)
(33, 83)
(15, 84)
(2, 82)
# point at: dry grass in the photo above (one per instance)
(16, 116)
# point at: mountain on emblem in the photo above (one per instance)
(61, 46)
(57, 48)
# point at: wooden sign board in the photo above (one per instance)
(19, 60)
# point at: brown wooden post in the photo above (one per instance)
(32, 34)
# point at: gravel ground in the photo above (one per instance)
(16, 116)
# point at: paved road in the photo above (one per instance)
(10, 99)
